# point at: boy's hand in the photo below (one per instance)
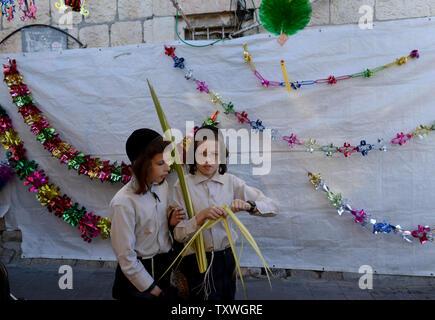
(177, 215)
(212, 213)
(239, 205)
(156, 291)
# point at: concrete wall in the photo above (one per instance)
(122, 22)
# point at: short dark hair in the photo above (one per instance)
(192, 167)
(142, 164)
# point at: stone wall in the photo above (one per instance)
(123, 22)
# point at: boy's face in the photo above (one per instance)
(207, 157)
(159, 169)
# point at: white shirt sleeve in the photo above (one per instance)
(123, 242)
(185, 229)
(265, 206)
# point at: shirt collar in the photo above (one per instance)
(133, 184)
(198, 177)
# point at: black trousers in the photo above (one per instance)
(123, 289)
(222, 279)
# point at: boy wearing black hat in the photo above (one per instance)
(139, 232)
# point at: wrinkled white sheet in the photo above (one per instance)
(95, 98)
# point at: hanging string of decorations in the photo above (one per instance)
(310, 145)
(365, 219)
(27, 7)
(367, 73)
(47, 193)
(94, 168)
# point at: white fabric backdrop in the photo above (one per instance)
(95, 99)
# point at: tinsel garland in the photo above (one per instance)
(365, 219)
(47, 193)
(94, 168)
(310, 145)
(367, 73)
(27, 7)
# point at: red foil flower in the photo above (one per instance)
(332, 80)
(11, 68)
(347, 149)
(170, 51)
(28, 109)
(242, 117)
(88, 226)
(59, 204)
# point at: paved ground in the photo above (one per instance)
(39, 281)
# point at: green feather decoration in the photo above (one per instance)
(289, 16)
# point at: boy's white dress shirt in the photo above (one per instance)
(139, 229)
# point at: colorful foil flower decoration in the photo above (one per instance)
(229, 107)
(347, 149)
(216, 98)
(104, 225)
(178, 62)
(401, 139)
(381, 145)
(329, 150)
(422, 233)
(202, 87)
(402, 60)
(10, 138)
(189, 74)
(36, 179)
(87, 226)
(8, 9)
(170, 51)
(24, 168)
(211, 121)
(5, 124)
(332, 80)
(414, 54)
(336, 200)
(73, 214)
(29, 9)
(257, 125)
(368, 73)
(46, 193)
(292, 140)
(422, 131)
(310, 145)
(59, 204)
(242, 117)
(316, 180)
(364, 148)
(360, 216)
(383, 227)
